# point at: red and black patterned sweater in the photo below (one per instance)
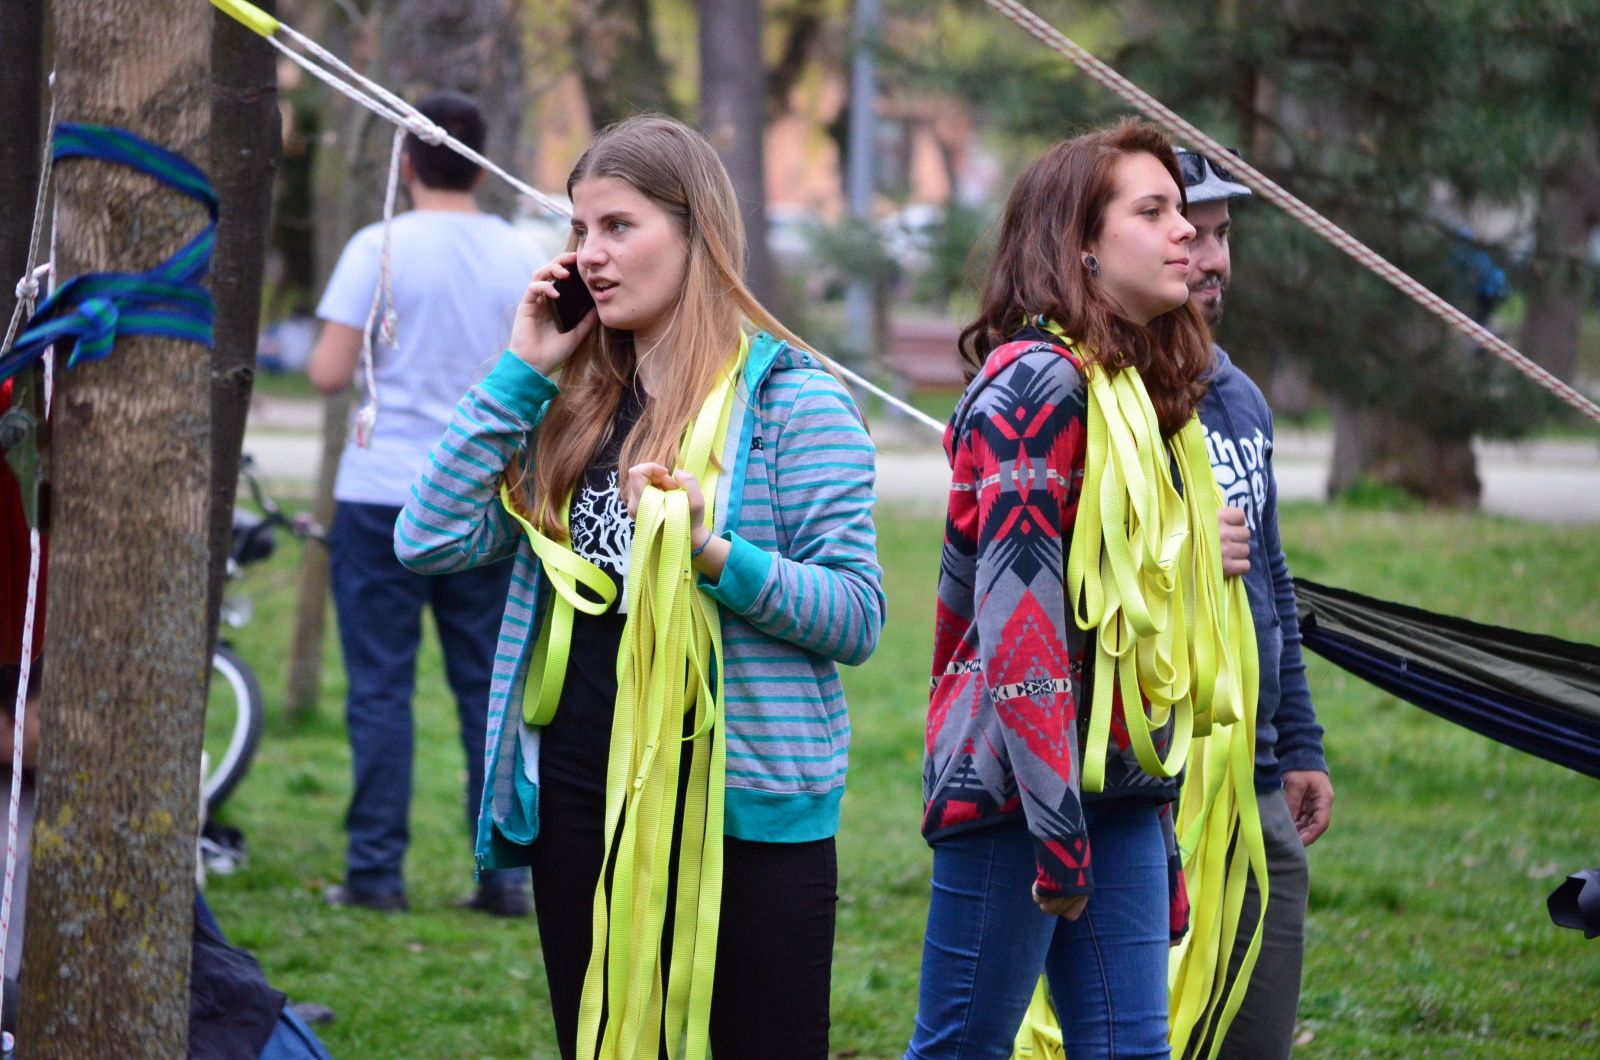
(1009, 662)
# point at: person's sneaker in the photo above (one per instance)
(501, 900)
(381, 901)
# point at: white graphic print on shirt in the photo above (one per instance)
(602, 533)
(1240, 465)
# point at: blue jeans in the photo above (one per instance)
(987, 942)
(379, 603)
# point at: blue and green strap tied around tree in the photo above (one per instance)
(92, 311)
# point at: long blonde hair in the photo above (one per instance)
(676, 168)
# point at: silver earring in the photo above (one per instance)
(1092, 263)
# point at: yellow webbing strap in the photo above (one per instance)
(669, 678)
(1039, 1037)
(257, 20)
(1219, 835)
(566, 571)
(1140, 555)
(1144, 573)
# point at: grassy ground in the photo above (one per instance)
(1428, 933)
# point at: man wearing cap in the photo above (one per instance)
(1292, 786)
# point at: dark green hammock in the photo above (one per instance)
(1535, 693)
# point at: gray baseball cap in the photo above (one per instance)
(1205, 181)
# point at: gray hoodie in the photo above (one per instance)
(1238, 427)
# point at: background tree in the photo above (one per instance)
(244, 159)
(1401, 122)
(111, 905)
(733, 112)
(21, 86)
(413, 47)
(618, 59)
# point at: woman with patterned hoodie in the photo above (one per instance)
(1031, 872)
(789, 559)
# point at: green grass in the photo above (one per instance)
(1428, 934)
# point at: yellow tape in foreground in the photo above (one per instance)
(250, 15)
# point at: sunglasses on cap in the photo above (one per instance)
(1193, 167)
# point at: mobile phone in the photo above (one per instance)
(573, 300)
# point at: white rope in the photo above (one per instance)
(27, 297)
(365, 92)
(386, 324)
(391, 107)
(28, 286)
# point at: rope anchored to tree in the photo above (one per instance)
(91, 311)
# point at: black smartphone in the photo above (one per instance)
(573, 300)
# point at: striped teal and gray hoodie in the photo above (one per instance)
(801, 591)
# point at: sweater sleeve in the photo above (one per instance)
(453, 520)
(825, 594)
(1026, 447)
(1299, 736)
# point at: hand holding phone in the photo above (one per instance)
(573, 300)
(554, 316)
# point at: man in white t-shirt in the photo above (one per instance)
(458, 274)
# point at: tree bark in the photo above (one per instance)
(21, 78)
(472, 46)
(1560, 283)
(244, 158)
(110, 913)
(733, 110)
(618, 62)
(1398, 451)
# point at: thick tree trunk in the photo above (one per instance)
(21, 79)
(1399, 451)
(110, 911)
(733, 110)
(621, 69)
(244, 158)
(1560, 283)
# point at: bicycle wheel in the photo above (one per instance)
(233, 725)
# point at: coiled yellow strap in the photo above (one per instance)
(667, 681)
(1144, 573)
(567, 572)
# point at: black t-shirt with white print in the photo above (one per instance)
(575, 745)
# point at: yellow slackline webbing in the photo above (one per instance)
(669, 670)
(250, 15)
(1142, 556)
(566, 571)
(1039, 1037)
(1147, 579)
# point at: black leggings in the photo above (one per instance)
(774, 942)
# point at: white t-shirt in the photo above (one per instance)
(457, 280)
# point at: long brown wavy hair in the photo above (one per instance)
(1053, 215)
(676, 168)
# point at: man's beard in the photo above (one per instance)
(1212, 309)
